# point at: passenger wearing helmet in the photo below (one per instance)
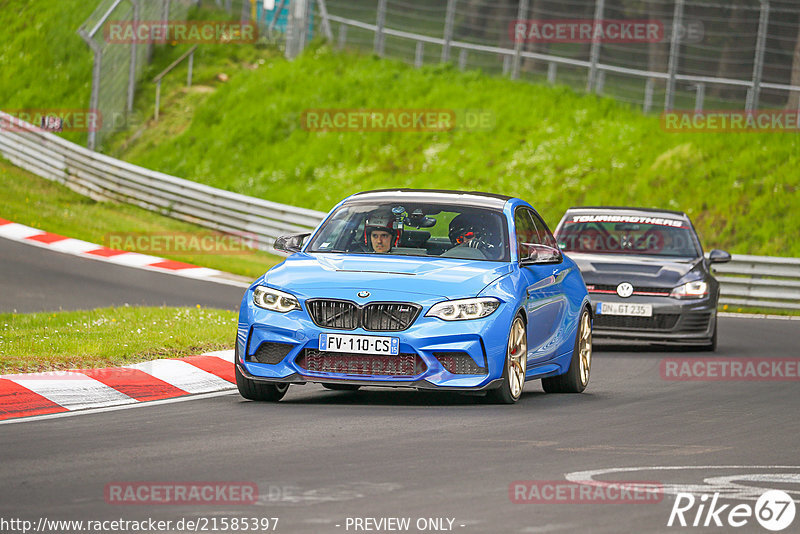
(471, 236)
(379, 234)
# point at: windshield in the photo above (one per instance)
(627, 234)
(414, 229)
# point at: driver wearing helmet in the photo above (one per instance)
(379, 234)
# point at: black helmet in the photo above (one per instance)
(467, 226)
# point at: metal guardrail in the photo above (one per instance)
(105, 178)
(757, 281)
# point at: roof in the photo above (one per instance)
(473, 198)
(627, 208)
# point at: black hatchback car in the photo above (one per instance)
(646, 274)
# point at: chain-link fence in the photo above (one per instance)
(701, 54)
(117, 66)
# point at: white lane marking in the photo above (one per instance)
(227, 355)
(183, 375)
(75, 391)
(18, 231)
(189, 272)
(759, 316)
(721, 485)
(120, 407)
(134, 259)
(73, 246)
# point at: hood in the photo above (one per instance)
(640, 271)
(440, 277)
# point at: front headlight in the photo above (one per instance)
(690, 290)
(274, 300)
(463, 309)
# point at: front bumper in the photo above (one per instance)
(483, 341)
(690, 321)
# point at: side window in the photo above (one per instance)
(526, 230)
(545, 236)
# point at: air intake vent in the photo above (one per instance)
(271, 353)
(459, 363)
(404, 364)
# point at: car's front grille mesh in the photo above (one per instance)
(377, 317)
(459, 363)
(664, 321)
(339, 314)
(388, 316)
(404, 364)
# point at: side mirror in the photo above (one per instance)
(290, 243)
(536, 254)
(718, 256)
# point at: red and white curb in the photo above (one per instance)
(84, 249)
(58, 392)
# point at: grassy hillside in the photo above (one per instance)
(548, 145)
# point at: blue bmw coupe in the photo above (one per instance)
(422, 289)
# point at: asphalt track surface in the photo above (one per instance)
(34, 279)
(320, 457)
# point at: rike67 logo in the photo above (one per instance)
(774, 510)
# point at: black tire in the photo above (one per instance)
(573, 381)
(508, 393)
(259, 391)
(341, 387)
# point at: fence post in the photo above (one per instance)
(381, 20)
(462, 59)
(191, 64)
(754, 94)
(326, 23)
(132, 65)
(521, 14)
(418, 57)
(600, 82)
(674, 50)
(448, 29)
(342, 35)
(95, 98)
(594, 55)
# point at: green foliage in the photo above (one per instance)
(548, 145)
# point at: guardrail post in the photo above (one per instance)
(649, 89)
(506, 64)
(552, 71)
(600, 82)
(418, 54)
(699, 97)
(379, 23)
(342, 35)
(521, 14)
(674, 51)
(158, 100)
(448, 29)
(191, 64)
(462, 59)
(594, 55)
(754, 94)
